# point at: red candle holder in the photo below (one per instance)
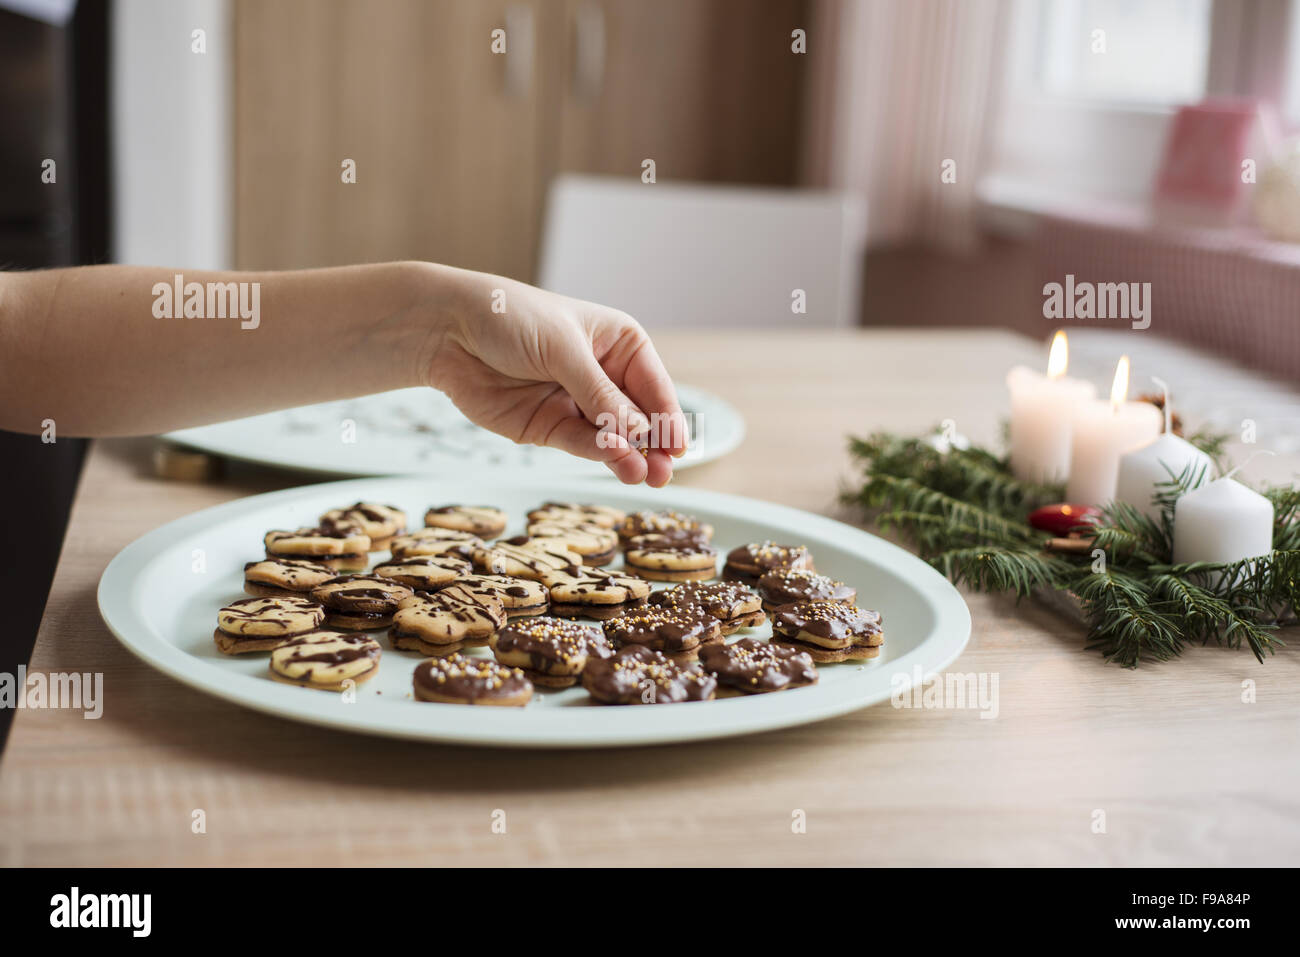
(1063, 518)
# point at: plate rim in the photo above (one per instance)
(732, 441)
(948, 638)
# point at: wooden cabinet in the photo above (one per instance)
(454, 145)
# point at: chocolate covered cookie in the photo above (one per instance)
(596, 593)
(828, 630)
(328, 660)
(665, 522)
(676, 630)
(749, 666)
(519, 596)
(596, 544)
(481, 520)
(675, 563)
(446, 621)
(260, 624)
(785, 587)
(284, 577)
(734, 605)
(458, 679)
(551, 651)
(602, 515)
(360, 602)
(341, 546)
(640, 675)
(424, 572)
(378, 522)
(748, 563)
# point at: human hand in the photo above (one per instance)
(549, 370)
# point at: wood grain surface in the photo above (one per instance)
(1183, 770)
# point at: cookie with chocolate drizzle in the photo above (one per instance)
(749, 666)
(435, 541)
(379, 522)
(424, 572)
(360, 602)
(458, 679)
(551, 651)
(596, 593)
(537, 559)
(596, 544)
(482, 520)
(665, 522)
(260, 624)
(677, 631)
(602, 515)
(828, 630)
(341, 546)
(328, 660)
(672, 563)
(284, 577)
(519, 596)
(640, 675)
(446, 621)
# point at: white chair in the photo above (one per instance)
(702, 255)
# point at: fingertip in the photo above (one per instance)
(659, 469)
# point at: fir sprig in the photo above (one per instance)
(967, 515)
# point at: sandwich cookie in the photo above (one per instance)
(602, 515)
(435, 541)
(537, 559)
(829, 631)
(284, 577)
(641, 675)
(784, 587)
(360, 602)
(481, 520)
(677, 563)
(446, 621)
(550, 651)
(379, 522)
(677, 631)
(750, 562)
(340, 546)
(596, 544)
(424, 572)
(749, 666)
(519, 596)
(328, 660)
(655, 523)
(461, 680)
(596, 593)
(673, 538)
(733, 604)
(260, 624)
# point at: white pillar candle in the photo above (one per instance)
(1162, 461)
(1042, 407)
(1100, 433)
(1222, 521)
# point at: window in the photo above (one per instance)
(1154, 51)
(1293, 67)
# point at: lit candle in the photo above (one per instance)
(1222, 521)
(1041, 411)
(1168, 457)
(1101, 433)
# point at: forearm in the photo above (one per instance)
(94, 350)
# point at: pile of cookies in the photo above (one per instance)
(456, 584)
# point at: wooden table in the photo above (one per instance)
(1184, 771)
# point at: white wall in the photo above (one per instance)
(172, 147)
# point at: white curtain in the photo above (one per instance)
(909, 87)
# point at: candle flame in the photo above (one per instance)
(1058, 360)
(1119, 388)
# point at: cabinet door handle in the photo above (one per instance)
(588, 51)
(519, 50)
